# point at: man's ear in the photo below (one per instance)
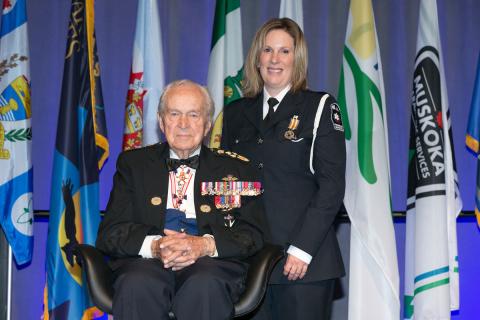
(160, 122)
(208, 126)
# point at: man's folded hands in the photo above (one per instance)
(178, 250)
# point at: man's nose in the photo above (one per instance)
(183, 121)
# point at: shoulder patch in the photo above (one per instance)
(336, 117)
(230, 154)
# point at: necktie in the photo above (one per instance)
(272, 102)
(173, 164)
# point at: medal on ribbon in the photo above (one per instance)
(180, 179)
(293, 125)
(227, 194)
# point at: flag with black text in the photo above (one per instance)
(433, 201)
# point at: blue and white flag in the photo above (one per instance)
(433, 203)
(16, 213)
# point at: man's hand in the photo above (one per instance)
(294, 268)
(179, 250)
(161, 252)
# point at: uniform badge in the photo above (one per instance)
(205, 208)
(229, 177)
(292, 126)
(156, 201)
(336, 117)
(230, 154)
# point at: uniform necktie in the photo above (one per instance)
(272, 102)
(173, 164)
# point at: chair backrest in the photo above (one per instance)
(258, 275)
(99, 277)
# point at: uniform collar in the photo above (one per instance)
(279, 97)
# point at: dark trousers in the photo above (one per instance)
(144, 289)
(303, 301)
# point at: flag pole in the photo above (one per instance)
(3, 275)
(9, 283)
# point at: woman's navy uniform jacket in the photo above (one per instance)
(300, 206)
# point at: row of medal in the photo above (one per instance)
(231, 188)
(226, 203)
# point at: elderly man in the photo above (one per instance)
(179, 224)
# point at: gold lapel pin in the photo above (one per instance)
(156, 201)
(205, 208)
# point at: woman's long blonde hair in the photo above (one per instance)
(253, 82)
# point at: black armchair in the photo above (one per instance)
(100, 278)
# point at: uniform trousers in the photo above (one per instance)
(302, 301)
(207, 289)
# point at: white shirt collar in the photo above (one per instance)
(279, 97)
(173, 155)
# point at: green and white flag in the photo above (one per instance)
(374, 279)
(433, 204)
(292, 9)
(225, 71)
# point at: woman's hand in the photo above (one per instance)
(294, 268)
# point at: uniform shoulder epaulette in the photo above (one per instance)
(230, 154)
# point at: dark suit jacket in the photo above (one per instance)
(142, 175)
(300, 206)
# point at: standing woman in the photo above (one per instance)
(295, 138)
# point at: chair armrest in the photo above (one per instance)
(98, 275)
(258, 275)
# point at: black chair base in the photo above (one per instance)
(100, 278)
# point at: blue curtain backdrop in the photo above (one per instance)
(186, 31)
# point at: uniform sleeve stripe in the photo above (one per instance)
(316, 123)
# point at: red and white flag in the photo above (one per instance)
(146, 79)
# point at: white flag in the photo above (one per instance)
(433, 204)
(374, 279)
(292, 9)
(146, 79)
(226, 60)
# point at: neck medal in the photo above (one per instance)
(180, 180)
